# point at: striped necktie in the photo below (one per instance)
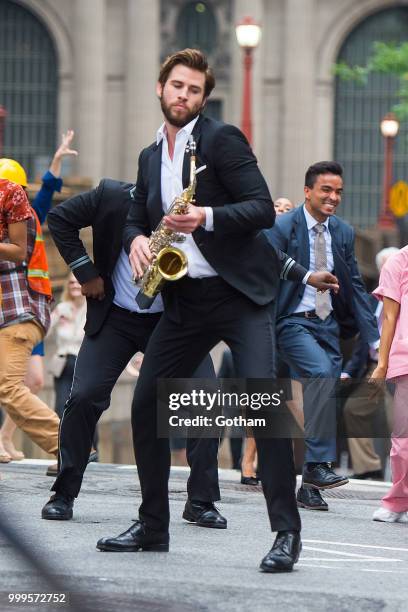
(323, 303)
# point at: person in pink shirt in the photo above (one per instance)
(393, 365)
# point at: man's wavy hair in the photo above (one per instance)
(192, 58)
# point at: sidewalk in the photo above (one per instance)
(348, 562)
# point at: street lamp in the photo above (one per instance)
(389, 129)
(248, 36)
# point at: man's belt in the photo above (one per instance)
(307, 314)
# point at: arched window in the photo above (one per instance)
(197, 27)
(28, 86)
(359, 110)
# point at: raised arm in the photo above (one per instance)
(63, 150)
(51, 180)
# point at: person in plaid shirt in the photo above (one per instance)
(24, 319)
(51, 181)
(14, 212)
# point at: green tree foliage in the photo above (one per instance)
(388, 58)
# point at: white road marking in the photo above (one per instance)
(34, 462)
(379, 484)
(347, 554)
(319, 566)
(384, 571)
(339, 567)
(363, 560)
(356, 545)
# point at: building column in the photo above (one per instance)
(324, 119)
(298, 103)
(142, 115)
(90, 44)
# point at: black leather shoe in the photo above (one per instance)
(249, 480)
(321, 476)
(204, 514)
(137, 537)
(284, 553)
(58, 508)
(310, 499)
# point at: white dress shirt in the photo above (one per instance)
(308, 301)
(172, 186)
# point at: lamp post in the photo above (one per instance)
(3, 115)
(389, 129)
(248, 36)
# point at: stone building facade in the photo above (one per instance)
(106, 55)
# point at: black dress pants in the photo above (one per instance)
(209, 310)
(101, 360)
(63, 384)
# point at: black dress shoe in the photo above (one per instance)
(204, 514)
(58, 508)
(249, 480)
(321, 476)
(137, 537)
(284, 553)
(311, 499)
(372, 475)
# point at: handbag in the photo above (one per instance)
(56, 364)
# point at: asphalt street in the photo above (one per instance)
(348, 562)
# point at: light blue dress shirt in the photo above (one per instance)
(126, 290)
(308, 301)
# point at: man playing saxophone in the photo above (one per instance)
(168, 262)
(228, 294)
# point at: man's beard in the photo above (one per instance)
(175, 121)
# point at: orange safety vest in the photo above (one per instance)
(37, 271)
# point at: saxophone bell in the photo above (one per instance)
(169, 265)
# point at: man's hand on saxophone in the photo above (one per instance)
(188, 222)
(140, 255)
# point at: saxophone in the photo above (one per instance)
(169, 263)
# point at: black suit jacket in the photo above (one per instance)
(104, 209)
(233, 186)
